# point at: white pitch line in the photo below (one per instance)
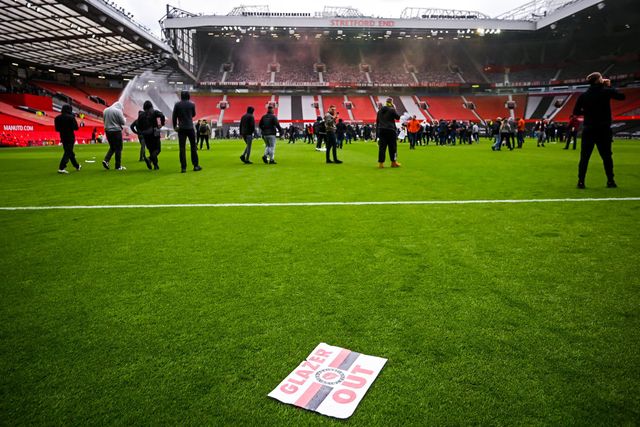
(321, 204)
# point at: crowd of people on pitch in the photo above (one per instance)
(593, 105)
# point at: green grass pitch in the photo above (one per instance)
(499, 314)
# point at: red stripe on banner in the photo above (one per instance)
(340, 358)
(308, 395)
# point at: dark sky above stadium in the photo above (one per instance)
(149, 12)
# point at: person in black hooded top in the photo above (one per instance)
(247, 129)
(66, 125)
(595, 106)
(183, 114)
(147, 126)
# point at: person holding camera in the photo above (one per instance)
(595, 106)
(331, 138)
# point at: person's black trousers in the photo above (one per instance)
(332, 144)
(153, 145)
(68, 155)
(143, 153)
(115, 147)
(388, 140)
(570, 136)
(321, 138)
(202, 139)
(182, 141)
(602, 139)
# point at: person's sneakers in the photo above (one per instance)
(105, 164)
(612, 184)
(79, 167)
(581, 185)
(148, 162)
(156, 167)
(395, 165)
(265, 160)
(248, 162)
(272, 162)
(197, 168)
(242, 159)
(380, 165)
(121, 168)
(183, 170)
(337, 162)
(329, 161)
(63, 171)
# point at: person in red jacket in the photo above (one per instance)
(572, 131)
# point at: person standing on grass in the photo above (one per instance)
(147, 126)
(595, 106)
(387, 133)
(183, 114)
(66, 125)
(341, 131)
(321, 131)
(331, 141)
(522, 128)
(572, 132)
(114, 122)
(247, 129)
(204, 132)
(269, 125)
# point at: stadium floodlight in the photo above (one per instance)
(480, 31)
(601, 5)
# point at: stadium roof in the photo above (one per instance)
(87, 36)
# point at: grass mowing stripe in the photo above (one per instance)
(320, 204)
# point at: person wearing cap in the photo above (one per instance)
(387, 133)
(183, 113)
(595, 106)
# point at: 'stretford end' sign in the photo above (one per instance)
(332, 381)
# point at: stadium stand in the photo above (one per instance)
(363, 108)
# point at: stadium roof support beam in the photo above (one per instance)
(430, 13)
(53, 39)
(538, 10)
(565, 12)
(341, 12)
(249, 10)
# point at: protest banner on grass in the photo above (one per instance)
(331, 381)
